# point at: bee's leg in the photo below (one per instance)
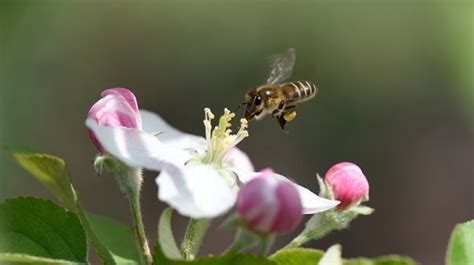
(281, 106)
(282, 122)
(276, 113)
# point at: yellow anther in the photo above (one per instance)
(208, 113)
(244, 123)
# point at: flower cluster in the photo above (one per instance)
(199, 177)
(204, 177)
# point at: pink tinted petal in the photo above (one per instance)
(117, 108)
(290, 209)
(267, 172)
(125, 93)
(342, 166)
(119, 119)
(348, 184)
(250, 195)
(258, 204)
(95, 141)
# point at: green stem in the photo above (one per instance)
(134, 199)
(321, 224)
(193, 237)
(102, 251)
(298, 241)
(266, 243)
(317, 227)
(130, 181)
(243, 240)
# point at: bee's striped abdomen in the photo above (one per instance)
(298, 91)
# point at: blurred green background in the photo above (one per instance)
(396, 97)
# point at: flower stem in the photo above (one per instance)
(130, 181)
(140, 229)
(193, 237)
(317, 227)
(321, 224)
(266, 243)
(298, 241)
(243, 240)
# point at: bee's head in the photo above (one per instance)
(255, 105)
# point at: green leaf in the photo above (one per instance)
(383, 260)
(8, 258)
(461, 245)
(41, 228)
(118, 238)
(394, 260)
(165, 236)
(239, 259)
(306, 256)
(359, 261)
(297, 256)
(52, 172)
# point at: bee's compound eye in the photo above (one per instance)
(257, 101)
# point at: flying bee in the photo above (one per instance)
(276, 98)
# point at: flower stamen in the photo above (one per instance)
(208, 117)
(220, 139)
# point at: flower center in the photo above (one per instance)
(220, 139)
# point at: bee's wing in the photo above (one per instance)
(281, 66)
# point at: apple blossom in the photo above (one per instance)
(348, 184)
(118, 108)
(199, 177)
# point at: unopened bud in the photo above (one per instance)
(349, 185)
(117, 108)
(269, 205)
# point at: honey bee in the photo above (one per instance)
(276, 98)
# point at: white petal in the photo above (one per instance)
(153, 123)
(244, 175)
(239, 159)
(240, 164)
(195, 190)
(136, 148)
(311, 202)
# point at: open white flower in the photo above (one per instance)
(199, 177)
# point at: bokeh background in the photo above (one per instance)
(396, 97)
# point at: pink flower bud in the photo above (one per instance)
(269, 205)
(348, 184)
(117, 108)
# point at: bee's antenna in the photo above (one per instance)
(240, 105)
